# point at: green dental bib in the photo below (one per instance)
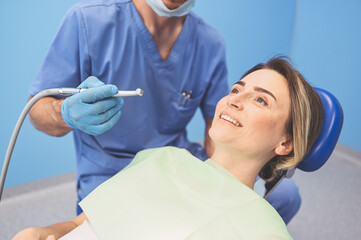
(167, 194)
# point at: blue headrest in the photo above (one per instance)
(327, 139)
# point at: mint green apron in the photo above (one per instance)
(167, 194)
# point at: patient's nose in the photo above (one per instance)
(235, 101)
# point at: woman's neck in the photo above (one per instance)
(242, 167)
(164, 30)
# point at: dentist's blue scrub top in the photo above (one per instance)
(109, 40)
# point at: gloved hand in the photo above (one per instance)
(93, 111)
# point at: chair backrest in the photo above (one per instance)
(330, 132)
(324, 144)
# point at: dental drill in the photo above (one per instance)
(72, 91)
(28, 106)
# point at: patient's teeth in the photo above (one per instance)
(228, 118)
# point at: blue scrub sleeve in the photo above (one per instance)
(67, 61)
(218, 87)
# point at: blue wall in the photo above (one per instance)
(322, 37)
(326, 47)
(27, 29)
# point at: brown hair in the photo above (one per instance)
(304, 122)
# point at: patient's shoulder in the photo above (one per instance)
(162, 150)
(160, 155)
(262, 220)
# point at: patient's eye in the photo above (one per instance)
(234, 90)
(262, 101)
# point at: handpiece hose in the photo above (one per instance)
(28, 106)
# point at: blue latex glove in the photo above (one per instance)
(93, 111)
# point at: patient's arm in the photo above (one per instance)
(58, 230)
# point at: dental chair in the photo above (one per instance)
(324, 144)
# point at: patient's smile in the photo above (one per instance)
(231, 120)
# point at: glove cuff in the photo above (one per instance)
(64, 114)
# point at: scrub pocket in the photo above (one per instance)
(180, 112)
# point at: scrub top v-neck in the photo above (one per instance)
(151, 48)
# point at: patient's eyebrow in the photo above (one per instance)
(259, 89)
(240, 83)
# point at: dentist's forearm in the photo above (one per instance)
(46, 116)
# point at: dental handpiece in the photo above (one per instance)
(72, 91)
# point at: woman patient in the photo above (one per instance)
(268, 122)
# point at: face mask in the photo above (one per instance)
(162, 11)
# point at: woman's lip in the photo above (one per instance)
(230, 119)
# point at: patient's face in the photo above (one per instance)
(252, 118)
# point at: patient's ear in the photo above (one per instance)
(285, 147)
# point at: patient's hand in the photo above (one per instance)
(32, 234)
(27, 234)
(47, 233)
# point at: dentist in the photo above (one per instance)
(158, 46)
